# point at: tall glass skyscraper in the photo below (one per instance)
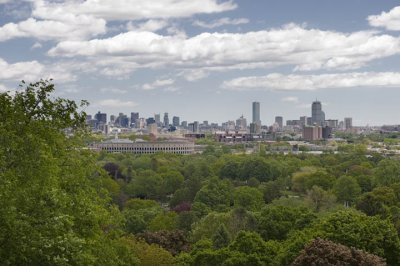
(317, 115)
(166, 120)
(256, 113)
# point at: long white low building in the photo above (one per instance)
(145, 147)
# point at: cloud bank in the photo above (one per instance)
(276, 81)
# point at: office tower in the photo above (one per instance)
(326, 132)
(341, 125)
(317, 115)
(255, 128)
(256, 113)
(150, 121)
(309, 121)
(166, 120)
(101, 118)
(140, 123)
(196, 126)
(241, 123)
(214, 125)
(303, 120)
(293, 122)
(279, 121)
(348, 123)
(112, 118)
(175, 121)
(157, 117)
(184, 124)
(333, 123)
(134, 117)
(125, 121)
(122, 120)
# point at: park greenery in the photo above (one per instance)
(62, 204)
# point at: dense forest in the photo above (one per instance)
(62, 204)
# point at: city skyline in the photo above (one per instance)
(209, 59)
(316, 117)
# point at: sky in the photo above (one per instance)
(210, 59)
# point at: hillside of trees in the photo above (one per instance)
(61, 204)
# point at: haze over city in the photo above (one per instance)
(209, 59)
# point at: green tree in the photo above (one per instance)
(147, 184)
(355, 229)
(350, 228)
(221, 237)
(172, 180)
(377, 201)
(54, 208)
(150, 255)
(248, 198)
(387, 172)
(137, 220)
(271, 190)
(347, 190)
(139, 204)
(275, 222)
(319, 199)
(215, 194)
(164, 221)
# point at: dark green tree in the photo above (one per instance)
(221, 237)
(275, 222)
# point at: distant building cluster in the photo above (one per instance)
(315, 127)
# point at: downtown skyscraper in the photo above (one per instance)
(317, 115)
(256, 113)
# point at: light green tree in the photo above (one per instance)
(54, 209)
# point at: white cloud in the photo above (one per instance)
(112, 103)
(36, 45)
(305, 49)
(220, 22)
(193, 74)
(29, 70)
(134, 9)
(290, 99)
(113, 90)
(388, 20)
(64, 28)
(33, 70)
(150, 25)
(277, 81)
(4, 1)
(157, 84)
